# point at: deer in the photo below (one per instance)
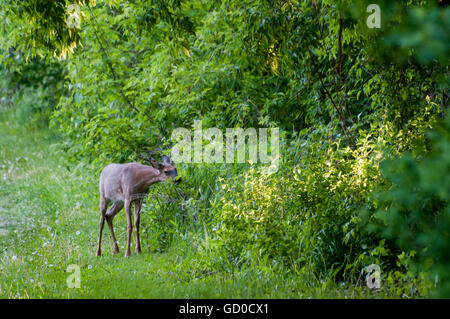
(127, 184)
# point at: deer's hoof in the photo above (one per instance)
(99, 253)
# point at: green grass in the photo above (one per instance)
(49, 220)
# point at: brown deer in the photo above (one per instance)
(125, 184)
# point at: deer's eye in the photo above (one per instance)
(166, 172)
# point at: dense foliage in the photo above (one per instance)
(348, 100)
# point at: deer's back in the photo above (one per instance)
(114, 179)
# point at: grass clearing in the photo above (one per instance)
(49, 220)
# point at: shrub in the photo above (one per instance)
(305, 214)
(31, 88)
(414, 211)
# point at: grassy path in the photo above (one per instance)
(49, 221)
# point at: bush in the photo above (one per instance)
(414, 210)
(305, 214)
(31, 88)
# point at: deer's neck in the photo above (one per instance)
(152, 176)
(147, 176)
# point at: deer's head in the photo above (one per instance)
(166, 168)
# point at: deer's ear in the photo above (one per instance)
(154, 163)
(166, 160)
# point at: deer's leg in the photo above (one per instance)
(115, 208)
(137, 221)
(129, 225)
(103, 206)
